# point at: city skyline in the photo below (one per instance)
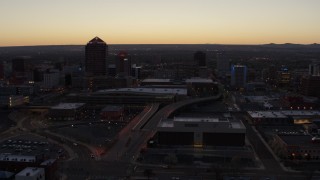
(36, 22)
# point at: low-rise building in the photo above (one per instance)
(300, 147)
(68, 112)
(31, 173)
(284, 117)
(199, 131)
(111, 112)
(269, 118)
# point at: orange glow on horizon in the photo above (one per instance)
(45, 22)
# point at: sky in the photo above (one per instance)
(64, 22)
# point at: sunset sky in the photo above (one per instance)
(59, 22)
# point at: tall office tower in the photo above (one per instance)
(1, 70)
(123, 63)
(310, 86)
(200, 59)
(96, 53)
(223, 65)
(284, 77)
(238, 76)
(19, 69)
(18, 64)
(314, 69)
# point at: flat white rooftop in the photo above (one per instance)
(68, 106)
(200, 123)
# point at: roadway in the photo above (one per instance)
(130, 132)
(138, 139)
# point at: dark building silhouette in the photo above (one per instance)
(200, 58)
(310, 86)
(96, 52)
(123, 64)
(37, 75)
(1, 70)
(18, 64)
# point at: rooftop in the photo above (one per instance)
(31, 171)
(48, 162)
(179, 91)
(68, 106)
(301, 113)
(199, 80)
(298, 140)
(96, 40)
(191, 80)
(266, 114)
(282, 114)
(196, 119)
(112, 108)
(17, 158)
(156, 80)
(202, 123)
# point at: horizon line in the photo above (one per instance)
(164, 44)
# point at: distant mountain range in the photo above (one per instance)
(160, 47)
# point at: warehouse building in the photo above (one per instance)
(201, 132)
(68, 112)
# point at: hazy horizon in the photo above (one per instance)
(160, 44)
(228, 22)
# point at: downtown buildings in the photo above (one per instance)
(96, 52)
(238, 76)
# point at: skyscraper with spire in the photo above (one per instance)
(96, 52)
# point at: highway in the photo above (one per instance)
(139, 138)
(128, 133)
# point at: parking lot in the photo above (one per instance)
(30, 145)
(99, 134)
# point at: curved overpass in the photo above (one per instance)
(165, 112)
(140, 138)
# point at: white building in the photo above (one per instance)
(50, 79)
(31, 173)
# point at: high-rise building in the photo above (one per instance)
(51, 79)
(200, 59)
(238, 76)
(18, 64)
(223, 65)
(123, 64)
(310, 86)
(1, 70)
(284, 77)
(314, 69)
(96, 52)
(270, 74)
